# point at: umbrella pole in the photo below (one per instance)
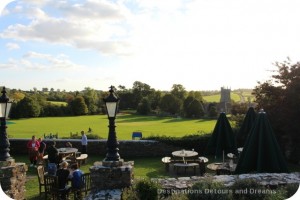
(223, 156)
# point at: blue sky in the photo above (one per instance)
(201, 44)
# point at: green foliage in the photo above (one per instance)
(291, 189)
(212, 110)
(89, 136)
(170, 104)
(209, 190)
(26, 108)
(78, 106)
(129, 194)
(278, 194)
(147, 189)
(144, 107)
(239, 108)
(178, 91)
(241, 190)
(193, 108)
(281, 103)
(197, 142)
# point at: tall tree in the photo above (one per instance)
(193, 108)
(139, 91)
(78, 106)
(280, 98)
(27, 107)
(178, 91)
(170, 104)
(144, 106)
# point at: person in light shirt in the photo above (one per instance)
(33, 146)
(83, 143)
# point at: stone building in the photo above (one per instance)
(225, 100)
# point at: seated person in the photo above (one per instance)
(53, 158)
(75, 177)
(63, 175)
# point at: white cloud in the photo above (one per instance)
(91, 25)
(12, 46)
(44, 62)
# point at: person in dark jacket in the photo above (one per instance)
(53, 158)
(63, 175)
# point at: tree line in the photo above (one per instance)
(141, 97)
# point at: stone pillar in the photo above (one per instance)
(13, 178)
(111, 175)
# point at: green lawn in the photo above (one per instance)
(126, 124)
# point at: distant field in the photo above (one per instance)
(216, 98)
(58, 103)
(126, 124)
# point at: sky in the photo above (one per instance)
(200, 44)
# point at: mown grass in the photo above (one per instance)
(126, 124)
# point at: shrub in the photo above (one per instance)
(291, 189)
(89, 136)
(207, 189)
(247, 189)
(129, 194)
(195, 141)
(278, 194)
(147, 189)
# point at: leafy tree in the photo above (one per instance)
(239, 108)
(170, 104)
(178, 91)
(212, 110)
(78, 106)
(139, 91)
(280, 99)
(193, 108)
(91, 100)
(154, 99)
(26, 108)
(144, 107)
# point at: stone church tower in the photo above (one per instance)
(225, 101)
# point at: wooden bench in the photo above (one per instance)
(185, 166)
(166, 161)
(81, 159)
(137, 135)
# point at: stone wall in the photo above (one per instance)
(13, 178)
(266, 179)
(127, 148)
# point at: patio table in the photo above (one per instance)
(66, 152)
(184, 154)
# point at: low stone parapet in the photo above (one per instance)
(272, 179)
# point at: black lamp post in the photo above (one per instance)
(5, 106)
(111, 103)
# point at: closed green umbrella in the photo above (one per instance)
(222, 139)
(261, 152)
(246, 127)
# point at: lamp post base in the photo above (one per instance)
(108, 163)
(111, 175)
